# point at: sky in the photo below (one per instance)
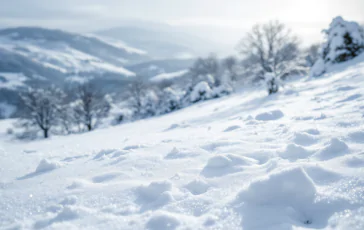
(306, 18)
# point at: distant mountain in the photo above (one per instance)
(162, 41)
(63, 52)
(39, 56)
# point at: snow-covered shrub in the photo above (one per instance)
(344, 41)
(170, 100)
(221, 91)
(149, 104)
(201, 91)
(272, 83)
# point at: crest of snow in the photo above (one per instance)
(334, 148)
(268, 116)
(168, 76)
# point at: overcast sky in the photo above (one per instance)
(306, 17)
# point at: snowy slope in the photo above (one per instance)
(67, 52)
(168, 76)
(248, 161)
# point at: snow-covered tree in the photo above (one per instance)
(91, 106)
(150, 103)
(42, 108)
(137, 91)
(231, 65)
(270, 48)
(312, 54)
(206, 69)
(344, 41)
(169, 101)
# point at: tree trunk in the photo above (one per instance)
(45, 133)
(89, 127)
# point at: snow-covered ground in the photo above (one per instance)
(168, 76)
(249, 161)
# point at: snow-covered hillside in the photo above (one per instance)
(249, 161)
(64, 52)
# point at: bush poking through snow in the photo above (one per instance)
(272, 83)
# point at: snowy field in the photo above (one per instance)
(249, 161)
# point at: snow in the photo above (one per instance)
(62, 57)
(201, 91)
(12, 80)
(46, 165)
(244, 161)
(271, 115)
(168, 76)
(6, 110)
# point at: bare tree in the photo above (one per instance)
(91, 106)
(41, 108)
(231, 64)
(270, 48)
(204, 67)
(137, 91)
(312, 53)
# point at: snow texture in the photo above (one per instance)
(246, 161)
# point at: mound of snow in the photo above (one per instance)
(218, 161)
(46, 165)
(154, 190)
(304, 139)
(293, 152)
(291, 187)
(180, 153)
(197, 186)
(221, 165)
(357, 136)
(268, 116)
(355, 161)
(163, 221)
(333, 148)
